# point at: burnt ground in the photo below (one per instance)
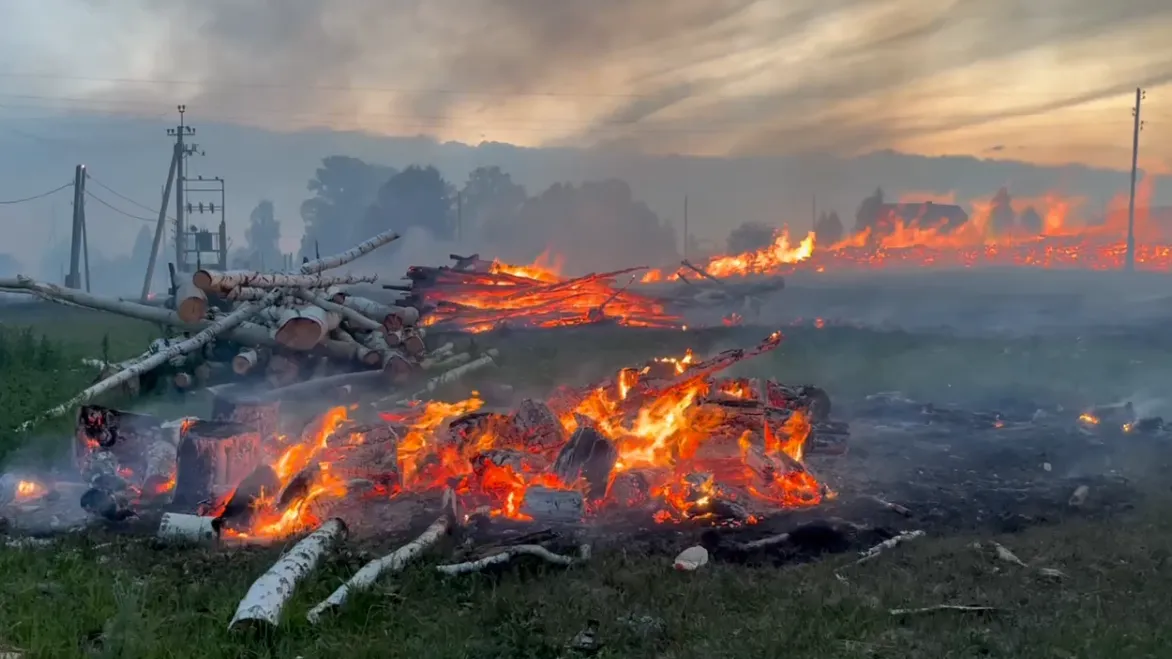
(112, 593)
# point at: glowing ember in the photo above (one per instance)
(685, 444)
(29, 490)
(531, 296)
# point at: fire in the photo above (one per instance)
(531, 296)
(1089, 419)
(912, 234)
(545, 268)
(693, 446)
(28, 490)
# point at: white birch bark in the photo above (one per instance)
(338, 260)
(355, 318)
(191, 303)
(183, 529)
(301, 328)
(393, 562)
(263, 602)
(219, 282)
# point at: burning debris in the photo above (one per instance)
(476, 295)
(670, 438)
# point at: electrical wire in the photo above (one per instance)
(120, 195)
(37, 196)
(118, 210)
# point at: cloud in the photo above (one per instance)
(700, 76)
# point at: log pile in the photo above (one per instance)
(269, 329)
(477, 295)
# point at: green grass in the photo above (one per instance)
(144, 602)
(169, 603)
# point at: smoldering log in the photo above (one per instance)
(213, 457)
(537, 426)
(237, 511)
(261, 414)
(125, 435)
(265, 599)
(590, 456)
(179, 528)
(110, 505)
(550, 505)
(159, 474)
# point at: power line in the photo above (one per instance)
(122, 196)
(116, 209)
(38, 196)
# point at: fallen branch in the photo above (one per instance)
(392, 562)
(511, 553)
(458, 372)
(263, 603)
(887, 544)
(963, 608)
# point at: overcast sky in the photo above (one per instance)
(1039, 80)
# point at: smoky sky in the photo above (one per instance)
(741, 77)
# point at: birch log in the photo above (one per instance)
(245, 361)
(263, 603)
(301, 328)
(362, 353)
(392, 562)
(511, 553)
(245, 294)
(179, 528)
(338, 260)
(448, 377)
(391, 317)
(191, 303)
(154, 361)
(221, 282)
(354, 318)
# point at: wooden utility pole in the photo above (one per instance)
(161, 225)
(1130, 263)
(685, 226)
(813, 212)
(73, 279)
(459, 215)
(179, 132)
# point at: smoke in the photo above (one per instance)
(712, 76)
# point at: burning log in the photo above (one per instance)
(183, 529)
(511, 553)
(537, 427)
(159, 474)
(630, 489)
(191, 303)
(212, 457)
(263, 603)
(237, 511)
(221, 282)
(590, 456)
(550, 505)
(112, 505)
(302, 328)
(392, 562)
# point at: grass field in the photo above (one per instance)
(131, 600)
